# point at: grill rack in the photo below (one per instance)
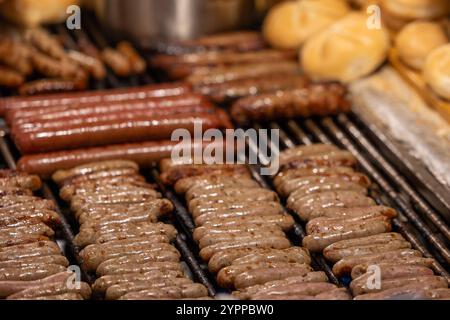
(427, 230)
(409, 223)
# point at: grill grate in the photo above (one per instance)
(424, 212)
(326, 131)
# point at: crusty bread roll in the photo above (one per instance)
(436, 71)
(290, 23)
(416, 40)
(31, 13)
(397, 13)
(345, 51)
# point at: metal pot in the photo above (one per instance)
(152, 21)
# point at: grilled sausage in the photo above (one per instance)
(335, 256)
(336, 294)
(226, 190)
(286, 222)
(35, 229)
(248, 255)
(8, 191)
(139, 268)
(62, 175)
(342, 199)
(20, 180)
(30, 272)
(116, 291)
(336, 158)
(228, 41)
(319, 99)
(103, 283)
(306, 288)
(52, 289)
(50, 259)
(260, 276)
(178, 172)
(234, 89)
(183, 185)
(10, 78)
(137, 64)
(269, 242)
(220, 58)
(153, 128)
(92, 256)
(318, 242)
(262, 195)
(194, 290)
(126, 231)
(41, 248)
(110, 265)
(221, 74)
(440, 293)
(240, 236)
(54, 68)
(101, 96)
(238, 206)
(16, 55)
(202, 232)
(64, 296)
(337, 186)
(362, 268)
(323, 226)
(9, 216)
(345, 213)
(21, 239)
(292, 174)
(215, 215)
(393, 271)
(346, 265)
(322, 183)
(305, 151)
(145, 154)
(246, 293)
(85, 110)
(385, 284)
(8, 288)
(45, 42)
(116, 61)
(94, 66)
(409, 292)
(43, 86)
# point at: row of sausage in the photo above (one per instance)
(347, 226)
(31, 263)
(122, 240)
(241, 232)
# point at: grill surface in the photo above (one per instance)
(401, 181)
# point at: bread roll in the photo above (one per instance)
(398, 13)
(416, 40)
(345, 51)
(436, 72)
(31, 13)
(290, 23)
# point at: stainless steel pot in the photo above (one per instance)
(152, 21)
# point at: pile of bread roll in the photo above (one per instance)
(344, 41)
